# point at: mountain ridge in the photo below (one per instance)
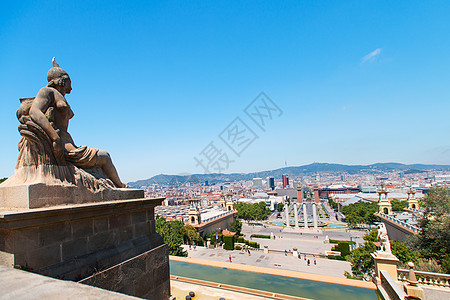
(313, 168)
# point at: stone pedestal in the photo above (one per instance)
(266, 249)
(387, 262)
(73, 242)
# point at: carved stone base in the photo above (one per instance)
(73, 242)
(37, 195)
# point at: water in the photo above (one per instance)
(272, 283)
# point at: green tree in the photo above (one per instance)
(404, 253)
(280, 206)
(175, 233)
(398, 205)
(236, 226)
(433, 242)
(170, 232)
(255, 211)
(361, 260)
(3, 179)
(360, 213)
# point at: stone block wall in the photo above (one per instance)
(74, 242)
(146, 275)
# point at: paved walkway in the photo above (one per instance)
(327, 267)
(307, 241)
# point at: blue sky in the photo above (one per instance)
(154, 83)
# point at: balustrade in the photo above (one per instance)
(427, 278)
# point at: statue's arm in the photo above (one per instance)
(40, 104)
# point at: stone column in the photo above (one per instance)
(295, 215)
(288, 224)
(305, 217)
(315, 215)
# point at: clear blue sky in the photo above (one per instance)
(154, 83)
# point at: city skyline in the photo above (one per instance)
(355, 83)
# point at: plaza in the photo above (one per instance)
(312, 244)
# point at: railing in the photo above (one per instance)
(427, 278)
(400, 222)
(392, 289)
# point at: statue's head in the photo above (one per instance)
(58, 78)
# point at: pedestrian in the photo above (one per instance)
(189, 246)
(315, 263)
(308, 262)
(305, 256)
(229, 258)
(248, 249)
(285, 252)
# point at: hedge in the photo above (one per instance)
(253, 245)
(343, 247)
(240, 239)
(228, 242)
(261, 236)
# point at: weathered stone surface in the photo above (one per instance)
(119, 221)
(35, 195)
(73, 242)
(101, 224)
(18, 284)
(139, 217)
(145, 275)
(74, 249)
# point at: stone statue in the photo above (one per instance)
(384, 238)
(47, 152)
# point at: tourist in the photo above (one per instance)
(285, 252)
(229, 258)
(248, 249)
(308, 262)
(305, 256)
(315, 263)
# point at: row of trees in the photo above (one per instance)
(429, 250)
(360, 213)
(363, 212)
(175, 233)
(255, 211)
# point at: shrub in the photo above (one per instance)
(261, 236)
(240, 239)
(228, 242)
(343, 247)
(237, 247)
(254, 245)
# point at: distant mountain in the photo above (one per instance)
(311, 169)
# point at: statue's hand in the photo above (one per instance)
(58, 151)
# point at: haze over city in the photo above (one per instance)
(156, 83)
